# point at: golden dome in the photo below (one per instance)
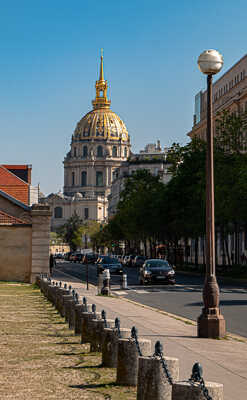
(101, 122)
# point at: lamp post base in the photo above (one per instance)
(211, 324)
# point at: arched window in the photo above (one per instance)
(73, 178)
(84, 151)
(99, 151)
(58, 212)
(125, 152)
(84, 178)
(74, 151)
(114, 151)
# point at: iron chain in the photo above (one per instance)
(134, 336)
(196, 377)
(159, 353)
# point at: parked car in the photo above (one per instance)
(106, 262)
(156, 271)
(139, 261)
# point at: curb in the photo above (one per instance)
(187, 321)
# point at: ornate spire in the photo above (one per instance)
(101, 75)
(101, 100)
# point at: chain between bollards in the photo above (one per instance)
(196, 377)
(159, 353)
(134, 336)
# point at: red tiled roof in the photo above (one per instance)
(14, 186)
(14, 166)
(6, 219)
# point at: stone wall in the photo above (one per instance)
(41, 217)
(15, 254)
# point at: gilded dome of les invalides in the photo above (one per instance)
(101, 122)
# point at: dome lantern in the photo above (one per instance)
(101, 86)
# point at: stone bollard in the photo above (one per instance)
(63, 291)
(128, 359)
(59, 301)
(98, 326)
(71, 318)
(68, 306)
(153, 382)
(65, 299)
(110, 342)
(55, 294)
(85, 326)
(79, 309)
(49, 290)
(58, 293)
(195, 388)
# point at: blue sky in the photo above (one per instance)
(50, 53)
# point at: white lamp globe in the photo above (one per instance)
(210, 62)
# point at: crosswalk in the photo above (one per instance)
(175, 288)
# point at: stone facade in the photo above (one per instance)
(25, 236)
(229, 93)
(152, 158)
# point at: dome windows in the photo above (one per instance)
(84, 178)
(84, 151)
(114, 151)
(125, 152)
(99, 151)
(99, 178)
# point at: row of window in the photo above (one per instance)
(99, 152)
(58, 212)
(99, 178)
(230, 85)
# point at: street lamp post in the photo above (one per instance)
(211, 323)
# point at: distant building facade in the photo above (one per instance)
(229, 93)
(152, 158)
(99, 145)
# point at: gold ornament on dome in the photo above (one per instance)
(101, 122)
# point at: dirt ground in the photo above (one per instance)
(40, 358)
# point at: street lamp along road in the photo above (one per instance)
(211, 323)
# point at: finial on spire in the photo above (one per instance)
(101, 100)
(101, 75)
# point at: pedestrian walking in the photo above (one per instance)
(51, 263)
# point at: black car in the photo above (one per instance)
(156, 271)
(106, 262)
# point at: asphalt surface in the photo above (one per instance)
(183, 299)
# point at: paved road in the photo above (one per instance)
(184, 299)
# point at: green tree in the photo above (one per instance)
(71, 232)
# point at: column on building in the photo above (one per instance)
(41, 218)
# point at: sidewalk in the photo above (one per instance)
(224, 361)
